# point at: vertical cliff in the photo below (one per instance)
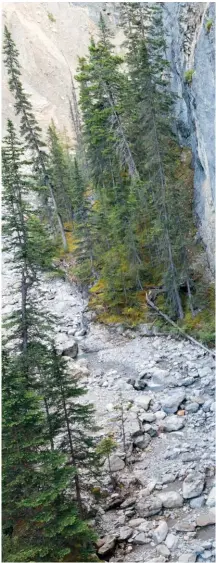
(190, 32)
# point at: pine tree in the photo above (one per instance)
(38, 516)
(29, 127)
(103, 87)
(59, 172)
(76, 425)
(154, 143)
(26, 240)
(42, 378)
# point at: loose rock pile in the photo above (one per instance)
(162, 506)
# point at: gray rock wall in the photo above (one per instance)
(191, 47)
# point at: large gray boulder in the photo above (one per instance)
(142, 441)
(116, 463)
(173, 423)
(171, 403)
(160, 532)
(206, 518)
(132, 427)
(193, 485)
(141, 539)
(143, 401)
(171, 499)
(149, 506)
(124, 533)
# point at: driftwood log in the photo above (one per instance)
(151, 304)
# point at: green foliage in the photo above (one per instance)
(51, 17)
(188, 75)
(208, 25)
(35, 479)
(31, 132)
(40, 397)
(106, 446)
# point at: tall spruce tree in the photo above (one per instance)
(154, 146)
(25, 239)
(38, 516)
(102, 89)
(29, 127)
(59, 172)
(35, 373)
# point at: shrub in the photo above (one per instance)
(51, 17)
(188, 75)
(208, 25)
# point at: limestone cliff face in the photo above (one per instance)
(191, 47)
(51, 37)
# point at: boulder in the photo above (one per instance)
(211, 500)
(128, 502)
(160, 415)
(149, 506)
(197, 502)
(135, 522)
(145, 330)
(142, 442)
(143, 401)
(192, 407)
(193, 485)
(151, 430)
(108, 546)
(187, 558)
(171, 541)
(171, 499)
(171, 403)
(147, 489)
(116, 463)
(132, 427)
(124, 533)
(163, 550)
(206, 519)
(185, 526)
(160, 532)
(141, 539)
(173, 423)
(72, 350)
(113, 503)
(168, 478)
(148, 417)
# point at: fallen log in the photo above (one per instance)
(182, 332)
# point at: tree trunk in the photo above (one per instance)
(49, 424)
(166, 318)
(73, 459)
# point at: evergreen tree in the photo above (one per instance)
(26, 240)
(41, 521)
(29, 128)
(76, 425)
(154, 143)
(59, 172)
(112, 166)
(36, 373)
